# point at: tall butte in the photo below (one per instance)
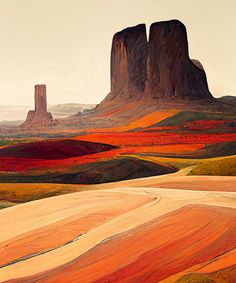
(128, 66)
(158, 72)
(39, 116)
(172, 75)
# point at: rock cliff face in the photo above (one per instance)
(159, 71)
(40, 98)
(39, 116)
(128, 64)
(171, 73)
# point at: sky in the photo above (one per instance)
(66, 44)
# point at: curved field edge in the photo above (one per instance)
(16, 193)
(217, 166)
(117, 169)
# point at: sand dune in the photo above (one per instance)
(134, 230)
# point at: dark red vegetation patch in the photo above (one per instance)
(53, 149)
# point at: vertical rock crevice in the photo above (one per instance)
(128, 64)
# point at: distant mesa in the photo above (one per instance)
(39, 116)
(157, 70)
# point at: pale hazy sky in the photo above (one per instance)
(66, 44)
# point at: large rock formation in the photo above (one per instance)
(171, 74)
(128, 64)
(39, 116)
(158, 72)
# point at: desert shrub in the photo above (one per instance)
(194, 278)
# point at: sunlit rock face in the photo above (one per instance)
(40, 98)
(128, 64)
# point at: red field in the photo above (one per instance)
(207, 125)
(128, 143)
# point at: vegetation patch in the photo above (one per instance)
(6, 204)
(194, 278)
(216, 150)
(19, 193)
(117, 169)
(8, 142)
(216, 167)
(53, 149)
(183, 117)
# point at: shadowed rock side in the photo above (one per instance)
(198, 64)
(39, 116)
(171, 74)
(128, 65)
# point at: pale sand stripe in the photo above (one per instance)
(162, 201)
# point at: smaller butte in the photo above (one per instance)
(39, 116)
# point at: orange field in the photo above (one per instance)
(142, 138)
(143, 122)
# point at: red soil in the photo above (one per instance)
(156, 129)
(207, 124)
